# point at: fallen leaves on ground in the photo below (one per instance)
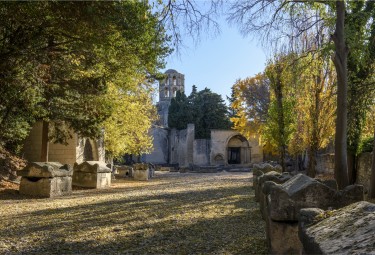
(173, 213)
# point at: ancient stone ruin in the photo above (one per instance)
(124, 171)
(46, 179)
(142, 172)
(281, 204)
(349, 230)
(264, 180)
(260, 169)
(91, 174)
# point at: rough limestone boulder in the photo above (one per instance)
(92, 174)
(349, 230)
(46, 179)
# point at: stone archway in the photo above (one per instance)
(238, 150)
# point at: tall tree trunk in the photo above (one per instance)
(280, 117)
(44, 150)
(311, 167)
(371, 193)
(352, 167)
(314, 143)
(340, 61)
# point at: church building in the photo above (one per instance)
(171, 146)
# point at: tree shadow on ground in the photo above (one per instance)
(214, 220)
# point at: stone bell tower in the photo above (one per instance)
(173, 82)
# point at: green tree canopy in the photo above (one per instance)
(58, 59)
(205, 109)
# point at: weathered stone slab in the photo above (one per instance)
(260, 179)
(282, 237)
(286, 200)
(92, 167)
(46, 170)
(46, 187)
(332, 183)
(349, 230)
(92, 174)
(262, 188)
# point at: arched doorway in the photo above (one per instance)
(239, 151)
(88, 154)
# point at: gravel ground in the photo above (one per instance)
(173, 213)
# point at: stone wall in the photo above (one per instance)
(256, 150)
(33, 143)
(182, 146)
(325, 163)
(219, 146)
(159, 154)
(219, 142)
(65, 154)
(364, 170)
(202, 148)
(97, 149)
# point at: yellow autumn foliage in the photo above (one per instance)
(251, 98)
(127, 129)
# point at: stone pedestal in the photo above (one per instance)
(46, 179)
(92, 174)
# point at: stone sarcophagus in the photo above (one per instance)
(272, 177)
(349, 230)
(92, 174)
(142, 172)
(284, 202)
(124, 171)
(46, 179)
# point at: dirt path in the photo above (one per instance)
(171, 214)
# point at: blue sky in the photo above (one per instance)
(217, 62)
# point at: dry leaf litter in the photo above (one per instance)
(173, 213)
